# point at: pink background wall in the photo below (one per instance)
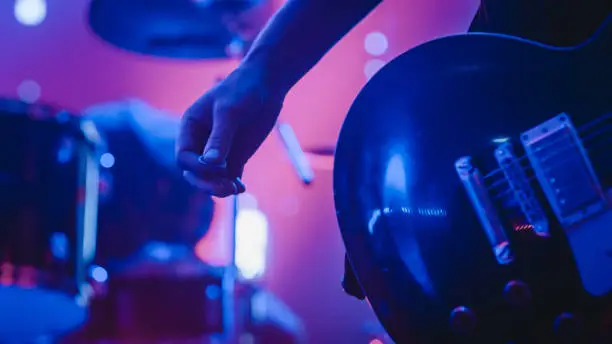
(76, 70)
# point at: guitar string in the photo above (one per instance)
(547, 145)
(529, 168)
(565, 148)
(532, 178)
(580, 130)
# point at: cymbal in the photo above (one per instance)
(179, 29)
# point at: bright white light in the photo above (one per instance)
(235, 48)
(159, 251)
(376, 43)
(30, 12)
(28, 91)
(251, 243)
(500, 140)
(107, 160)
(247, 201)
(395, 175)
(99, 274)
(372, 67)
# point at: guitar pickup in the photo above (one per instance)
(564, 170)
(477, 193)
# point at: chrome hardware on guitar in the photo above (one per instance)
(49, 169)
(477, 192)
(565, 173)
(524, 251)
(522, 191)
(568, 180)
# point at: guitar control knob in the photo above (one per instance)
(566, 327)
(517, 294)
(462, 320)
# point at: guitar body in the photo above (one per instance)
(472, 185)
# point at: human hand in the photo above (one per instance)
(222, 130)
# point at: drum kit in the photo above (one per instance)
(58, 282)
(424, 244)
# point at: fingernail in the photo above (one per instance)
(240, 187)
(212, 154)
(208, 161)
(190, 178)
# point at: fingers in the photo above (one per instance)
(193, 132)
(192, 138)
(219, 187)
(220, 139)
(207, 171)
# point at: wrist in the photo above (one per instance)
(272, 74)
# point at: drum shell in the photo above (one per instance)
(156, 308)
(48, 209)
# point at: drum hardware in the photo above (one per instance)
(180, 29)
(122, 131)
(156, 298)
(266, 318)
(260, 318)
(134, 207)
(121, 283)
(230, 330)
(48, 212)
(163, 292)
(295, 152)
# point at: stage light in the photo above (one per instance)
(247, 201)
(500, 140)
(107, 160)
(376, 43)
(30, 12)
(28, 91)
(99, 274)
(251, 243)
(372, 67)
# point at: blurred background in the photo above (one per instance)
(51, 55)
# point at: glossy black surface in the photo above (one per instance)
(411, 233)
(183, 29)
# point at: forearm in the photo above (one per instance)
(299, 34)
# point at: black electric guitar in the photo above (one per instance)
(472, 186)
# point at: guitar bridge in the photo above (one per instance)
(522, 191)
(564, 171)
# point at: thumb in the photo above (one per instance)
(219, 142)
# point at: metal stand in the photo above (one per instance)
(229, 283)
(296, 154)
